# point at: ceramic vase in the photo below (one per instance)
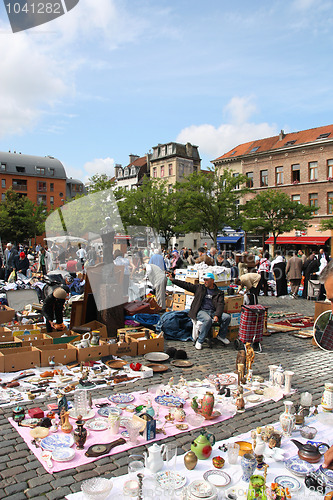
(80, 433)
(257, 488)
(287, 381)
(287, 419)
(279, 377)
(66, 426)
(249, 464)
(190, 460)
(327, 398)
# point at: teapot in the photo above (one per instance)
(309, 452)
(202, 445)
(154, 461)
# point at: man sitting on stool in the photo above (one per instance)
(207, 307)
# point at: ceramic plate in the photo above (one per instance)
(217, 477)
(169, 400)
(121, 398)
(30, 422)
(55, 441)
(182, 363)
(298, 467)
(288, 482)
(223, 378)
(156, 356)
(97, 424)
(117, 364)
(163, 479)
(253, 398)
(90, 414)
(63, 454)
(106, 411)
(194, 383)
(158, 368)
(328, 475)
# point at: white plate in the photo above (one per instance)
(253, 398)
(97, 424)
(163, 479)
(288, 482)
(217, 477)
(156, 356)
(54, 441)
(63, 454)
(90, 414)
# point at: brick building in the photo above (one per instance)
(42, 179)
(300, 164)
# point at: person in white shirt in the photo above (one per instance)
(81, 254)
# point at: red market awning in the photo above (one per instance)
(298, 240)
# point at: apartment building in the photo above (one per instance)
(299, 164)
(131, 176)
(42, 179)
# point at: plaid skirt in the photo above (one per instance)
(252, 323)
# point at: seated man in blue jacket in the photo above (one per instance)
(207, 307)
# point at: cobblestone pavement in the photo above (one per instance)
(22, 476)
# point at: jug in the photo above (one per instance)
(202, 445)
(94, 337)
(309, 452)
(154, 459)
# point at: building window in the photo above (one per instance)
(21, 170)
(249, 182)
(236, 174)
(3, 196)
(3, 183)
(295, 173)
(51, 172)
(41, 199)
(155, 172)
(41, 186)
(162, 171)
(263, 177)
(133, 171)
(51, 200)
(170, 168)
(51, 186)
(330, 169)
(313, 170)
(313, 202)
(296, 197)
(3, 167)
(330, 203)
(19, 185)
(119, 172)
(279, 175)
(40, 170)
(126, 172)
(170, 149)
(77, 188)
(163, 151)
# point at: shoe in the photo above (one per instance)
(223, 340)
(198, 345)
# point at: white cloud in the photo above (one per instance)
(215, 141)
(99, 166)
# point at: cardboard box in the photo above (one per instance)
(235, 319)
(233, 303)
(233, 332)
(169, 302)
(97, 326)
(145, 372)
(123, 349)
(194, 281)
(93, 352)
(191, 294)
(180, 274)
(6, 314)
(5, 332)
(189, 300)
(179, 298)
(192, 273)
(35, 339)
(147, 345)
(178, 307)
(220, 283)
(9, 341)
(20, 332)
(69, 338)
(63, 354)
(177, 289)
(19, 358)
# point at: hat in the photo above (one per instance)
(59, 293)
(209, 276)
(22, 255)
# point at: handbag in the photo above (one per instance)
(137, 306)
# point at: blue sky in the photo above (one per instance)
(114, 77)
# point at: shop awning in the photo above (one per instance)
(228, 239)
(298, 240)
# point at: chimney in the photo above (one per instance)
(282, 135)
(132, 158)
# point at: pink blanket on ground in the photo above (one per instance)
(95, 437)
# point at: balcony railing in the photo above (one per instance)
(19, 187)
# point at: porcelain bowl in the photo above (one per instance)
(244, 447)
(96, 488)
(195, 419)
(308, 432)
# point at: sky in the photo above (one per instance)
(116, 77)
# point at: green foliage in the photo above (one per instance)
(151, 206)
(99, 182)
(208, 202)
(274, 212)
(326, 224)
(20, 218)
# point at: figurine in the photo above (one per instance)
(240, 403)
(240, 372)
(62, 403)
(249, 356)
(241, 359)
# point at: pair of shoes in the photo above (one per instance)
(223, 340)
(198, 345)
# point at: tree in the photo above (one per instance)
(209, 202)
(99, 182)
(151, 205)
(20, 218)
(274, 212)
